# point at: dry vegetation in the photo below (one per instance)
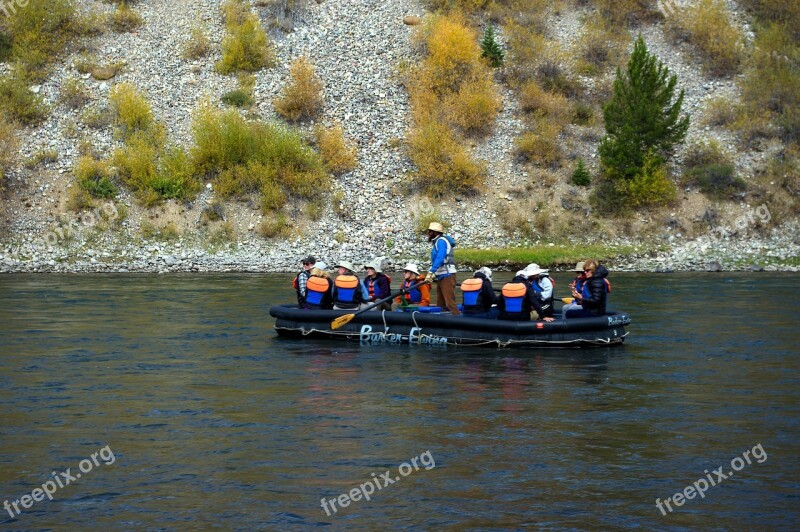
(453, 97)
(339, 154)
(245, 46)
(302, 99)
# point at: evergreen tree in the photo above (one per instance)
(641, 117)
(490, 49)
(580, 176)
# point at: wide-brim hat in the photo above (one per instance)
(436, 226)
(579, 267)
(411, 267)
(346, 264)
(375, 265)
(533, 269)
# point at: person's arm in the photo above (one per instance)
(547, 288)
(596, 290)
(488, 293)
(383, 288)
(364, 291)
(301, 284)
(425, 295)
(439, 256)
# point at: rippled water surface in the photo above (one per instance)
(211, 420)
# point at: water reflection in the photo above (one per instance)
(216, 422)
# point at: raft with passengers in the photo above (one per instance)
(520, 314)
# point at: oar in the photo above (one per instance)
(347, 318)
(567, 300)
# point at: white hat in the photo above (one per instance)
(321, 265)
(485, 271)
(346, 264)
(532, 270)
(436, 226)
(411, 267)
(375, 264)
(521, 272)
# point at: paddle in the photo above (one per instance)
(347, 318)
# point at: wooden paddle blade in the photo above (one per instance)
(342, 320)
(567, 300)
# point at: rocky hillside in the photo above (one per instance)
(359, 50)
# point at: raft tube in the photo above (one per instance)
(409, 328)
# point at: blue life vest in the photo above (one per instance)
(413, 295)
(514, 297)
(472, 290)
(346, 287)
(316, 289)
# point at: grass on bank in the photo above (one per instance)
(545, 256)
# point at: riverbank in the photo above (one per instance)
(77, 249)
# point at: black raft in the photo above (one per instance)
(382, 327)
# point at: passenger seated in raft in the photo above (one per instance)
(576, 285)
(593, 294)
(518, 299)
(377, 285)
(478, 296)
(543, 285)
(348, 291)
(420, 296)
(319, 289)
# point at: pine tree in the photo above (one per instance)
(490, 49)
(580, 176)
(641, 117)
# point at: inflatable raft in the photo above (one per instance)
(431, 329)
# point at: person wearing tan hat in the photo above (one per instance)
(377, 284)
(443, 267)
(420, 296)
(348, 291)
(577, 285)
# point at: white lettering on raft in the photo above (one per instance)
(366, 336)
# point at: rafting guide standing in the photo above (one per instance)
(443, 267)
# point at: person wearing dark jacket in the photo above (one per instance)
(479, 296)
(594, 293)
(518, 299)
(377, 285)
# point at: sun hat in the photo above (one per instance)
(375, 264)
(520, 273)
(411, 267)
(346, 264)
(533, 269)
(321, 265)
(485, 271)
(436, 226)
(310, 259)
(579, 267)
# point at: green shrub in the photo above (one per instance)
(710, 169)
(490, 49)
(302, 98)
(245, 47)
(131, 110)
(94, 177)
(649, 187)
(5, 46)
(642, 117)
(40, 30)
(237, 98)
(125, 19)
(18, 102)
(246, 156)
(580, 176)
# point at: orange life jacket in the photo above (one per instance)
(317, 288)
(514, 296)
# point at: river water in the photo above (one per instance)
(198, 416)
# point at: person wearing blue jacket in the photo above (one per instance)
(443, 267)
